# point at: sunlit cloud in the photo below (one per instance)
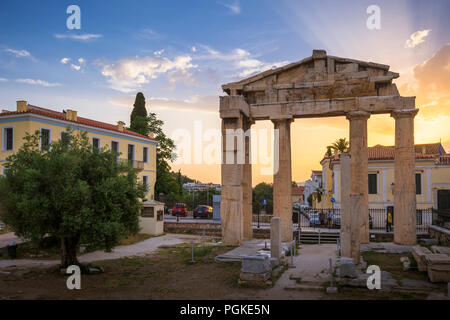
(417, 38)
(20, 53)
(129, 74)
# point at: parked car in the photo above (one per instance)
(314, 220)
(203, 211)
(179, 209)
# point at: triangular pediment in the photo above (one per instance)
(317, 77)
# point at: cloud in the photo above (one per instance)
(129, 74)
(434, 73)
(38, 82)
(417, 38)
(148, 34)
(3, 79)
(158, 53)
(234, 7)
(20, 53)
(77, 67)
(81, 37)
(240, 61)
(194, 49)
(208, 104)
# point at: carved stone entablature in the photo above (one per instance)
(317, 77)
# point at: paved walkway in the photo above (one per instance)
(138, 249)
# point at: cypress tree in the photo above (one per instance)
(138, 117)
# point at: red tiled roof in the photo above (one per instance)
(298, 190)
(62, 116)
(423, 151)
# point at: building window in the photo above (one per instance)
(115, 147)
(418, 183)
(130, 152)
(45, 138)
(8, 139)
(373, 183)
(148, 212)
(96, 143)
(145, 154)
(145, 182)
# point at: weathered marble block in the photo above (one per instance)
(438, 266)
(256, 264)
(419, 254)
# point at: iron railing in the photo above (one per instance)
(139, 165)
(331, 218)
(441, 218)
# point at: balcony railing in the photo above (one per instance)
(139, 165)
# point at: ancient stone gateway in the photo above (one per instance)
(318, 86)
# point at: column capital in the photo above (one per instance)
(288, 119)
(357, 115)
(404, 113)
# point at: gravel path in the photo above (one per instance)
(138, 249)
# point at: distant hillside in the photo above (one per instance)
(181, 177)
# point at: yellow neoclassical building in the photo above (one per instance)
(134, 147)
(432, 178)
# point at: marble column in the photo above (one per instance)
(359, 179)
(404, 179)
(235, 206)
(282, 179)
(247, 184)
(350, 238)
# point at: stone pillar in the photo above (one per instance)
(247, 185)
(355, 210)
(404, 183)
(236, 200)
(275, 238)
(282, 179)
(349, 218)
(359, 176)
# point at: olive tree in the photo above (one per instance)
(72, 191)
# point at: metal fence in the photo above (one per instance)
(441, 218)
(331, 218)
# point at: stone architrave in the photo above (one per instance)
(359, 180)
(275, 238)
(404, 178)
(282, 179)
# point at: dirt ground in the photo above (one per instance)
(166, 274)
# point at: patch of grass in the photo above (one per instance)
(132, 239)
(391, 262)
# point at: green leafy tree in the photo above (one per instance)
(70, 191)
(341, 145)
(138, 117)
(260, 192)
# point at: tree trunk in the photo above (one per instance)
(69, 251)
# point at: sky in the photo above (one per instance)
(179, 53)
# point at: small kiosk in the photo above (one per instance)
(151, 220)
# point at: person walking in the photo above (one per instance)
(389, 222)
